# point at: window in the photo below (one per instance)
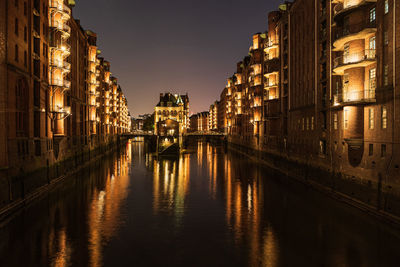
(302, 127)
(383, 150)
(372, 47)
(372, 82)
(25, 59)
(371, 150)
(25, 34)
(16, 53)
(384, 118)
(372, 15)
(16, 27)
(372, 43)
(386, 75)
(371, 118)
(312, 123)
(25, 9)
(16, 3)
(308, 124)
(335, 121)
(386, 6)
(346, 119)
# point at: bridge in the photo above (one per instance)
(199, 134)
(172, 144)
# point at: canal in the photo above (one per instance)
(208, 207)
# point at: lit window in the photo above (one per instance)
(386, 75)
(371, 118)
(303, 124)
(308, 124)
(386, 6)
(372, 82)
(372, 15)
(335, 121)
(384, 118)
(372, 45)
(346, 119)
(312, 123)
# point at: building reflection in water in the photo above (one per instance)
(105, 215)
(244, 196)
(171, 180)
(227, 205)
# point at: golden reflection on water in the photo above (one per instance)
(244, 212)
(171, 179)
(104, 216)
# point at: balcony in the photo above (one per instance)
(60, 26)
(272, 66)
(55, 63)
(59, 6)
(341, 10)
(354, 60)
(353, 32)
(270, 45)
(60, 83)
(354, 97)
(61, 47)
(270, 85)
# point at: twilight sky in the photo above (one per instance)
(173, 45)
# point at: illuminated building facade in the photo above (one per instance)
(56, 99)
(330, 85)
(171, 115)
(213, 119)
(200, 122)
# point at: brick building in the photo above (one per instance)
(327, 96)
(53, 101)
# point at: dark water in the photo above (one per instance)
(207, 208)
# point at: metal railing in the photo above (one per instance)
(60, 6)
(60, 64)
(351, 4)
(353, 96)
(352, 58)
(60, 83)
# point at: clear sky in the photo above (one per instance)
(181, 46)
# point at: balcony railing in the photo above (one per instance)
(353, 58)
(354, 96)
(60, 64)
(61, 26)
(270, 44)
(340, 7)
(60, 83)
(60, 7)
(353, 29)
(269, 85)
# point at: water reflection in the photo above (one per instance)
(208, 208)
(76, 219)
(171, 180)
